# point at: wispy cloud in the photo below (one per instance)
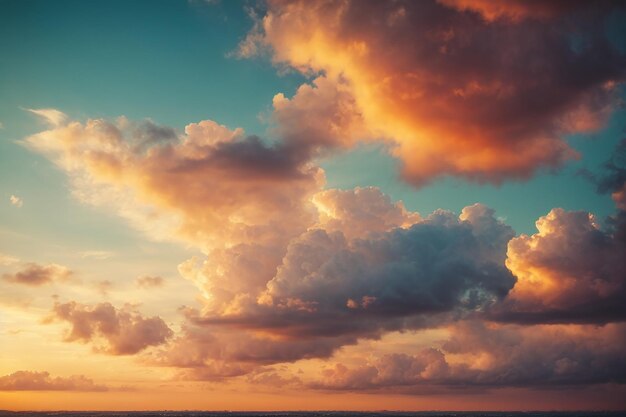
(51, 116)
(7, 260)
(96, 254)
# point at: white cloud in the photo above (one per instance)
(16, 201)
(52, 116)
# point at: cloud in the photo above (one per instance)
(236, 188)
(569, 271)
(492, 356)
(149, 282)
(51, 116)
(517, 10)
(613, 178)
(217, 353)
(16, 201)
(330, 291)
(104, 286)
(34, 274)
(124, 331)
(7, 260)
(296, 272)
(452, 92)
(319, 117)
(437, 265)
(361, 211)
(42, 381)
(99, 255)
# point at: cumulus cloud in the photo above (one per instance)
(319, 117)
(16, 201)
(438, 264)
(296, 272)
(149, 282)
(123, 331)
(42, 381)
(210, 186)
(34, 274)
(361, 211)
(569, 271)
(481, 355)
(330, 291)
(452, 92)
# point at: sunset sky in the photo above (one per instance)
(304, 205)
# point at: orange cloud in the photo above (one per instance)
(570, 270)
(361, 211)
(516, 10)
(452, 93)
(34, 274)
(149, 282)
(42, 381)
(211, 186)
(295, 272)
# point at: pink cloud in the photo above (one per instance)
(35, 275)
(123, 331)
(42, 381)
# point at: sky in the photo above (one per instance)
(289, 205)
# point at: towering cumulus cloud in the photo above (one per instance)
(481, 90)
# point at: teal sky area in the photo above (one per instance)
(171, 62)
